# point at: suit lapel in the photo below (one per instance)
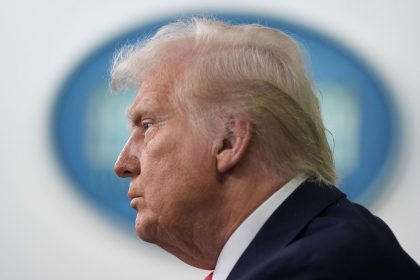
(305, 203)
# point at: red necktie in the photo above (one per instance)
(209, 277)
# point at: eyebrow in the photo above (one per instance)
(135, 113)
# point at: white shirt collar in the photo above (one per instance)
(245, 233)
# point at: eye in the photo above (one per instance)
(146, 125)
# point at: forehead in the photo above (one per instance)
(157, 88)
(151, 97)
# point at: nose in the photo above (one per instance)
(127, 164)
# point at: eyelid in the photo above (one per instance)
(146, 121)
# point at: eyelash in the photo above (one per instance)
(146, 125)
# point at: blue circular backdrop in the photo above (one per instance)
(89, 126)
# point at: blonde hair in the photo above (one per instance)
(246, 70)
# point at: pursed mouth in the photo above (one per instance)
(135, 202)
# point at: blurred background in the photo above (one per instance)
(65, 215)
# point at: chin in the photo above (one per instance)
(145, 228)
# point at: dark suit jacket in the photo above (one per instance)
(317, 233)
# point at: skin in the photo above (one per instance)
(190, 192)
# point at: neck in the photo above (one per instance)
(243, 200)
(241, 193)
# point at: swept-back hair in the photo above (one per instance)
(250, 71)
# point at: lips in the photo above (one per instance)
(136, 202)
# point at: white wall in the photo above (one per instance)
(49, 232)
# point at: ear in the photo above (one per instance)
(235, 142)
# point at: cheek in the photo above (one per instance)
(172, 188)
(159, 174)
(176, 174)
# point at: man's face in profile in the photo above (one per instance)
(171, 166)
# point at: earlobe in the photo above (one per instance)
(237, 138)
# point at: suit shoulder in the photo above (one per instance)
(329, 238)
(347, 238)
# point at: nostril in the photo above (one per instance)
(127, 166)
(123, 173)
(120, 170)
(127, 170)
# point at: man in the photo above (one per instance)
(229, 164)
